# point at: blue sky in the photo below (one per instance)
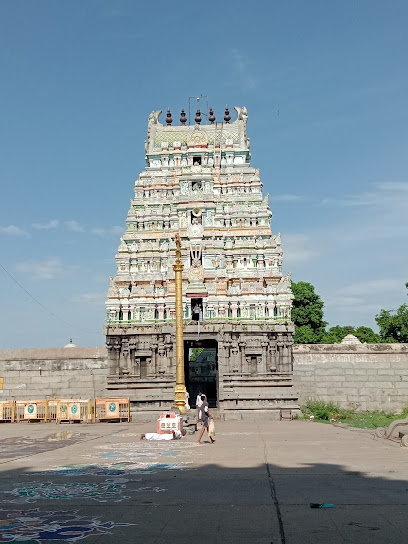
(325, 85)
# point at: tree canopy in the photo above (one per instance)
(394, 324)
(336, 334)
(307, 314)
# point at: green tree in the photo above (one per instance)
(307, 314)
(336, 334)
(365, 334)
(394, 324)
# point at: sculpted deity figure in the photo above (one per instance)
(123, 245)
(195, 229)
(284, 283)
(242, 113)
(125, 292)
(134, 288)
(183, 220)
(160, 291)
(164, 246)
(220, 261)
(153, 120)
(113, 288)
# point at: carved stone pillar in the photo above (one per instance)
(272, 356)
(279, 357)
(117, 347)
(234, 357)
(132, 361)
(149, 366)
(137, 371)
(225, 361)
(244, 365)
(285, 359)
(111, 359)
(263, 366)
(290, 354)
(124, 366)
(170, 351)
(160, 356)
(154, 359)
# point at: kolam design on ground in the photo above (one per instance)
(36, 527)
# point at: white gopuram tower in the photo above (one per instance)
(238, 333)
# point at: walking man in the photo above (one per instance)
(203, 415)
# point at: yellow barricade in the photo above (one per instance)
(74, 410)
(112, 409)
(7, 411)
(31, 410)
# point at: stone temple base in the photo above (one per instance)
(243, 368)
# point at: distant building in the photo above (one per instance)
(350, 339)
(237, 304)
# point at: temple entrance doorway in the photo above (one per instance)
(201, 370)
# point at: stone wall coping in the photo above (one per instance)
(101, 352)
(350, 348)
(53, 353)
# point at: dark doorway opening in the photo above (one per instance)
(201, 370)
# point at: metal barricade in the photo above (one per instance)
(52, 410)
(31, 410)
(7, 411)
(74, 410)
(112, 409)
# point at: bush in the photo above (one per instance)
(325, 411)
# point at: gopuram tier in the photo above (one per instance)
(238, 332)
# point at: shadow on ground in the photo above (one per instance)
(166, 502)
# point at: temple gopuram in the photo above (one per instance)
(238, 332)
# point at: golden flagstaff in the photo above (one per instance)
(180, 389)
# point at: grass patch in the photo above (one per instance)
(326, 412)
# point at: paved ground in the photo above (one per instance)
(102, 484)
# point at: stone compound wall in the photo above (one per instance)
(367, 376)
(53, 373)
(362, 376)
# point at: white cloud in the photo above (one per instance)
(396, 186)
(52, 224)
(384, 194)
(364, 199)
(98, 232)
(297, 248)
(49, 269)
(74, 226)
(116, 230)
(359, 302)
(14, 231)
